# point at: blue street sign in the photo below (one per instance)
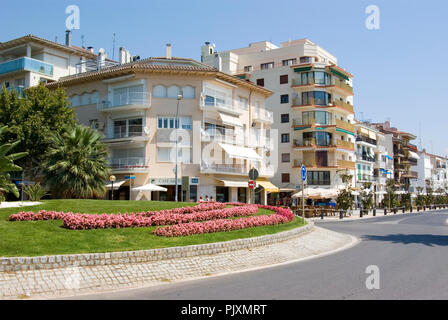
(303, 171)
(129, 177)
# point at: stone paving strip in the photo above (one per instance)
(79, 280)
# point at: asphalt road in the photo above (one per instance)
(411, 252)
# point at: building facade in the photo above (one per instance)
(26, 61)
(222, 128)
(405, 155)
(312, 106)
(432, 172)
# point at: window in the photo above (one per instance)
(284, 98)
(319, 98)
(285, 137)
(75, 101)
(128, 128)
(289, 62)
(285, 118)
(260, 82)
(159, 91)
(169, 123)
(285, 177)
(284, 79)
(286, 157)
(265, 66)
(305, 59)
(319, 178)
(248, 69)
(243, 103)
(85, 99)
(188, 92)
(173, 91)
(320, 138)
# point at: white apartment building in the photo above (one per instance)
(312, 106)
(222, 130)
(432, 171)
(26, 61)
(374, 159)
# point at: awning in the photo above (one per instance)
(230, 120)
(302, 69)
(117, 185)
(372, 135)
(412, 154)
(150, 187)
(340, 74)
(238, 183)
(365, 132)
(268, 186)
(240, 152)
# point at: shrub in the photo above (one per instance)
(35, 192)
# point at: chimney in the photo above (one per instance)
(91, 49)
(101, 59)
(68, 38)
(122, 56)
(168, 50)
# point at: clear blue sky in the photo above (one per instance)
(400, 70)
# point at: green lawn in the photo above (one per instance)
(35, 238)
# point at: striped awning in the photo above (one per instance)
(268, 186)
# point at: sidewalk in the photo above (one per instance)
(71, 282)
(379, 213)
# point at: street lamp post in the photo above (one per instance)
(112, 179)
(179, 97)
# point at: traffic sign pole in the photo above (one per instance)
(303, 172)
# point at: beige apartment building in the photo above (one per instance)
(312, 106)
(222, 129)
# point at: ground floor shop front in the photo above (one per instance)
(191, 189)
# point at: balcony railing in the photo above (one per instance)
(343, 85)
(27, 64)
(366, 157)
(345, 125)
(123, 132)
(264, 116)
(129, 164)
(142, 99)
(218, 104)
(223, 168)
(345, 144)
(362, 138)
(218, 136)
(346, 164)
(344, 105)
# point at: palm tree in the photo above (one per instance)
(77, 165)
(7, 165)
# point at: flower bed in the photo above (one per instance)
(58, 215)
(185, 229)
(203, 218)
(105, 221)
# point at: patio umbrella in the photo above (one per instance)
(150, 187)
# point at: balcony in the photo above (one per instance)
(263, 116)
(341, 84)
(410, 175)
(346, 164)
(366, 157)
(136, 164)
(121, 132)
(20, 90)
(26, 64)
(344, 105)
(345, 144)
(219, 136)
(223, 168)
(361, 138)
(345, 125)
(215, 104)
(126, 101)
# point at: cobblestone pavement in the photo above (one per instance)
(75, 281)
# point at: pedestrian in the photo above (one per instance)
(211, 199)
(206, 198)
(200, 199)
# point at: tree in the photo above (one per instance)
(390, 197)
(366, 196)
(429, 199)
(33, 119)
(7, 165)
(420, 200)
(77, 165)
(345, 198)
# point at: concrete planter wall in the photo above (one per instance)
(10, 264)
